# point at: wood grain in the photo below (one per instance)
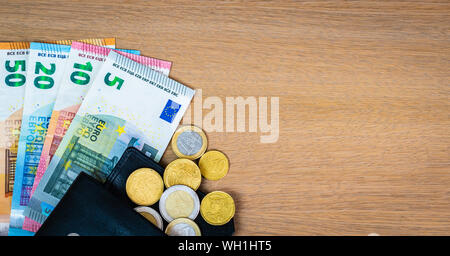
(364, 101)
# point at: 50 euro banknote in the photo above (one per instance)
(44, 69)
(128, 105)
(83, 63)
(13, 58)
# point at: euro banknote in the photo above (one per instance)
(43, 72)
(128, 105)
(109, 42)
(13, 58)
(83, 63)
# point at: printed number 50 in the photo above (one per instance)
(15, 79)
(116, 81)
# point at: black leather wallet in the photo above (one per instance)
(89, 209)
(92, 208)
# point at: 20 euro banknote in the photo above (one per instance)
(43, 72)
(83, 63)
(128, 104)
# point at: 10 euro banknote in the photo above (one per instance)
(128, 104)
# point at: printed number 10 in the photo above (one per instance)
(80, 77)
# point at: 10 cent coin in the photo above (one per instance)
(144, 186)
(217, 208)
(182, 172)
(213, 165)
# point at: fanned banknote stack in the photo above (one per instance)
(74, 106)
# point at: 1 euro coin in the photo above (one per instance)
(179, 202)
(189, 142)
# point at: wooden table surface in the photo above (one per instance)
(363, 91)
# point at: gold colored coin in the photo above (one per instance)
(217, 208)
(183, 227)
(213, 165)
(182, 172)
(189, 142)
(179, 204)
(144, 186)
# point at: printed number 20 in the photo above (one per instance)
(116, 81)
(44, 82)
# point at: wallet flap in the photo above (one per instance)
(89, 209)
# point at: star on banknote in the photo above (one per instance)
(120, 129)
(102, 127)
(38, 128)
(66, 123)
(67, 165)
(84, 131)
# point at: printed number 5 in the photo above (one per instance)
(116, 81)
(18, 64)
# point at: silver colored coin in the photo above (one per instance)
(189, 143)
(155, 214)
(165, 211)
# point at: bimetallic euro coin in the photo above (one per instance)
(213, 165)
(182, 172)
(144, 186)
(183, 227)
(217, 208)
(179, 201)
(151, 215)
(189, 142)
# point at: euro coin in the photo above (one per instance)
(217, 208)
(151, 215)
(189, 142)
(144, 186)
(183, 227)
(213, 165)
(182, 172)
(179, 201)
